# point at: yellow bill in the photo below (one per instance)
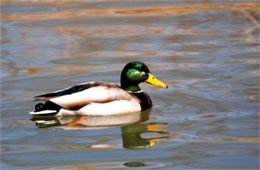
(154, 81)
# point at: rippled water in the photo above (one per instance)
(207, 52)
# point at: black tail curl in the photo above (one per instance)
(47, 106)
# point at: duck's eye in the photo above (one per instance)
(143, 73)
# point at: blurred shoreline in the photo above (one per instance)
(145, 11)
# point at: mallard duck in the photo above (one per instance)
(102, 98)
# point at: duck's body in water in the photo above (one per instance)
(102, 98)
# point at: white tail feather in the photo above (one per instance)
(43, 112)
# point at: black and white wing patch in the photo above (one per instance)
(70, 90)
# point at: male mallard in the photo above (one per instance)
(102, 98)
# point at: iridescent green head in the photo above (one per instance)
(137, 72)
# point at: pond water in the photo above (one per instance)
(206, 50)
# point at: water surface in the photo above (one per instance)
(206, 51)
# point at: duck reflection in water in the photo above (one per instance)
(132, 139)
(132, 127)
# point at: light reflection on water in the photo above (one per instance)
(207, 52)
